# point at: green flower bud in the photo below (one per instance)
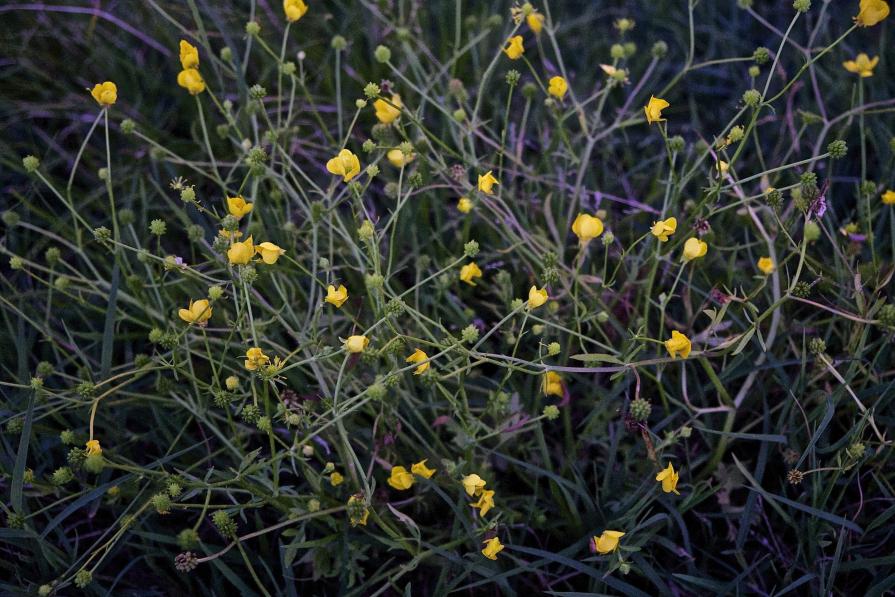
(382, 54)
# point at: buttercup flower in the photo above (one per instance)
(514, 49)
(493, 546)
(473, 484)
(240, 253)
(345, 165)
(654, 109)
(422, 470)
(336, 296)
(198, 312)
(255, 359)
(189, 55)
(400, 479)
(387, 112)
(664, 228)
(861, 65)
(535, 21)
(355, 344)
(105, 94)
(871, 12)
(487, 182)
(469, 272)
(486, 501)
(238, 206)
(336, 478)
(552, 384)
(557, 87)
(398, 159)
(93, 448)
(418, 356)
(269, 252)
(607, 542)
(536, 297)
(191, 80)
(668, 477)
(766, 265)
(694, 248)
(587, 227)
(357, 510)
(678, 344)
(889, 197)
(294, 9)
(464, 205)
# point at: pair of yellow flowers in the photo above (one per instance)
(402, 479)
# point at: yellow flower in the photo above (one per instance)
(514, 49)
(861, 65)
(557, 87)
(654, 109)
(240, 253)
(668, 477)
(664, 228)
(387, 112)
(871, 12)
(473, 484)
(400, 479)
(422, 470)
(294, 9)
(678, 344)
(464, 205)
(487, 182)
(345, 165)
(552, 384)
(694, 248)
(93, 448)
(189, 55)
(766, 265)
(418, 356)
(191, 80)
(397, 158)
(469, 272)
(536, 297)
(587, 227)
(335, 479)
(105, 94)
(198, 312)
(723, 167)
(889, 197)
(255, 359)
(355, 344)
(608, 541)
(486, 501)
(357, 510)
(238, 207)
(336, 296)
(493, 546)
(269, 252)
(535, 21)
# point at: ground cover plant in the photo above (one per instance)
(391, 297)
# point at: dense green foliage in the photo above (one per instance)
(220, 472)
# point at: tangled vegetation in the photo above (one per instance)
(393, 297)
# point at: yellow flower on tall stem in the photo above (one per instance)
(678, 344)
(493, 546)
(105, 94)
(336, 296)
(607, 542)
(269, 252)
(694, 249)
(255, 359)
(486, 502)
(240, 253)
(871, 12)
(536, 297)
(653, 109)
(587, 227)
(473, 484)
(669, 478)
(464, 205)
(552, 384)
(422, 470)
(469, 272)
(191, 80)
(388, 112)
(238, 206)
(557, 87)
(421, 357)
(862, 65)
(294, 9)
(93, 448)
(889, 197)
(400, 479)
(535, 22)
(514, 49)
(487, 182)
(664, 228)
(345, 164)
(766, 265)
(189, 55)
(356, 344)
(198, 312)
